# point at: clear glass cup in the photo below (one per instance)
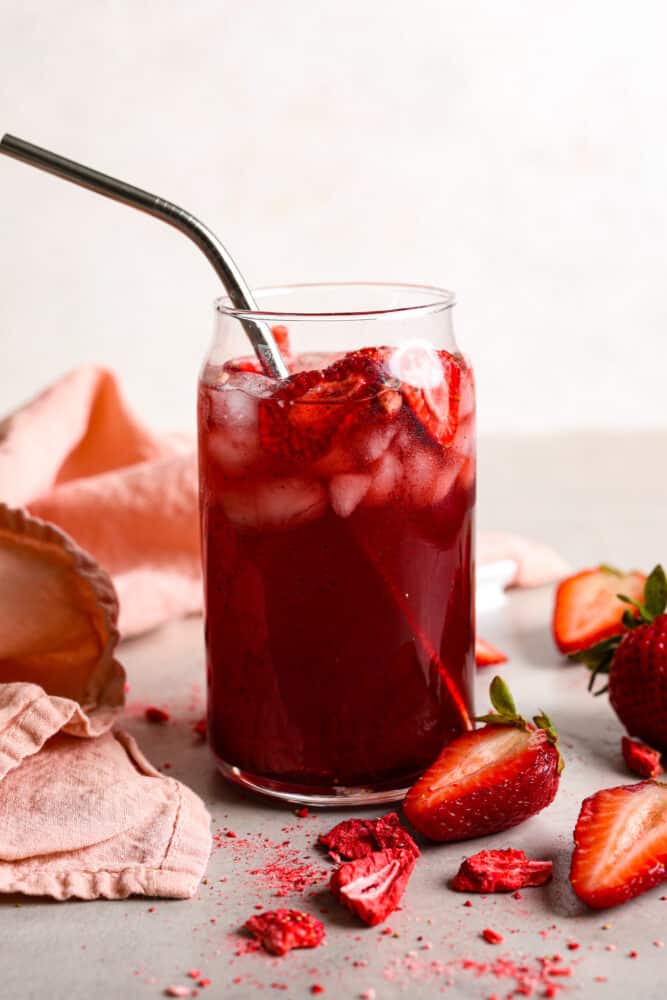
(337, 538)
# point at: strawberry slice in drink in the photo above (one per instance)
(308, 409)
(431, 386)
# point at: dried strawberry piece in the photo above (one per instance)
(390, 834)
(500, 871)
(641, 758)
(300, 419)
(372, 886)
(278, 931)
(437, 407)
(244, 364)
(354, 838)
(155, 714)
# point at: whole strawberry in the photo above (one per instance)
(636, 662)
(490, 779)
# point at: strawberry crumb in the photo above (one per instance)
(600, 979)
(154, 714)
(230, 833)
(633, 954)
(204, 982)
(151, 909)
(550, 991)
(194, 973)
(368, 994)
(199, 728)
(468, 902)
(493, 937)
(517, 895)
(316, 988)
(302, 813)
(178, 991)
(659, 944)
(573, 945)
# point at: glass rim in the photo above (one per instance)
(438, 299)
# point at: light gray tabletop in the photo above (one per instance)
(596, 497)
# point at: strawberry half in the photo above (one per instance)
(620, 844)
(490, 779)
(588, 608)
(437, 406)
(636, 661)
(487, 655)
(307, 409)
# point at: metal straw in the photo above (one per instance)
(261, 337)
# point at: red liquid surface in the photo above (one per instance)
(337, 545)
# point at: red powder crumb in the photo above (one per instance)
(204, 982)
(551, 991)
(316, 988)
(154, 714)
(633, 954)
(610, 947)
(467, 903)
(517, 895)
(178, 991)
(194, 973)
(573, 945)
(230, 833)
(493, 937)
(302, 813)
(199, 728)
(151, 909)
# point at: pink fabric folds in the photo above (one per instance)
(82, 812)
(77, 457)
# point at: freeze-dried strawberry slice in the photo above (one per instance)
(354, 838)
(500, 871)
(300, 419)
(372, 886)
(278, 931)
(436, 406)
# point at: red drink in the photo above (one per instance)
(337, 525)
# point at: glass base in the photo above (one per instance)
(312, 795)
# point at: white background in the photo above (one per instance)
(513, 151)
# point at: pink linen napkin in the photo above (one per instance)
(82, 812)
(129, 497)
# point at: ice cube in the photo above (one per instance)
(232, 431)
(371, 442)
(276, 504)
(347, 491)
(446, 475)
(387, 473)
(421, 471)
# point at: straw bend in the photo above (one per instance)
(260, 334)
